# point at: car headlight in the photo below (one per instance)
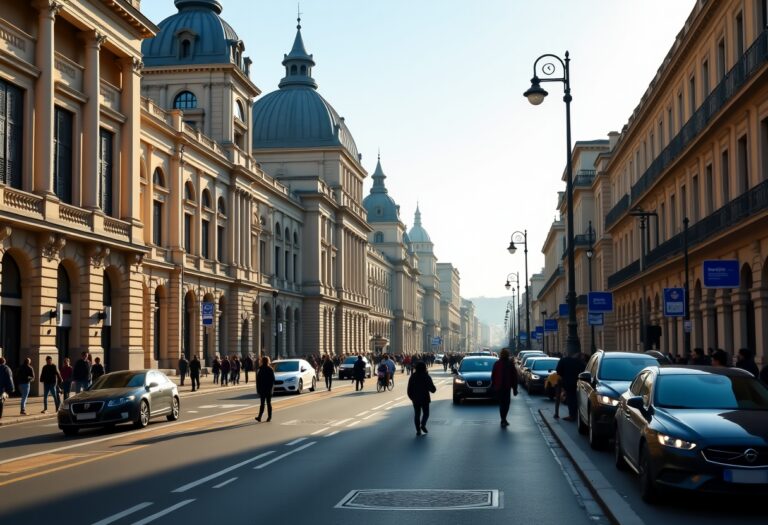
(534, 376)
(681, 444)
(290, 380)
(610, 401)
(459, 380)
(120, 401)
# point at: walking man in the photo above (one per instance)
(194, 372)
(569, 368)
(97, 369)
(6, 383)
(81, 375)
(24, 376)
(183, 368)
(504, 379)
(358, 372)
(247, 366)
(265, 384)
(51, 379)
(420, 386)
(328, 370)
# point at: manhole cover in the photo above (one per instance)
(420, 499)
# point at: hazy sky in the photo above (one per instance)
(437, 86)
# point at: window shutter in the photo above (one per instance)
(62, 169)
(105, 171)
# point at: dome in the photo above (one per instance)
(296, 116)
(194, 35)
(379, 205)
(418, 233)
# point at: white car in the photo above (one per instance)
(294, 375)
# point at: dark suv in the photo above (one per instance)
(606, 376)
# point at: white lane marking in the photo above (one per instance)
(380, 406)
(295, 441)
(162, 513)
(207, 406)
(332, 434)
(126, 512)
(224, 483)
(319, 431)
(371, 415)
(354, 423)
(364, 412)
(291, 422)
(339, 423)
(399, 398)
(192, 412)
(206, 479)
(51, 425)
(281, 456)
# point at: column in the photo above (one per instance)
(130, 147)
(91, 119)
(724, 320)
(130, 355)
(91, 304)
(740, 337)
(760, 300)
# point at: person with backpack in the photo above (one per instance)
(420, 385)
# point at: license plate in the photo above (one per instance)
(87, 415)
(479, 390)
(746, 476)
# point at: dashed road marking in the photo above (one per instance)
(354, 423)
(215, 475)
(163, 512)
(281, 456)
(380, 406)
(120, 515)
(295, 441)
(224, 483)
(339, 423)
(319, 431)
(364, 412)
(332, 434)
(371, 415)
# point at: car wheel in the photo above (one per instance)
(583, 429)
(301, 387)
(174, 415)
(647, 485)
(595, 441)
(314, 385)
(70, 431)
(618, 454)
(142, 420)
(456, 400)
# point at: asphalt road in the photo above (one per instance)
(679, 508)
(327, 457)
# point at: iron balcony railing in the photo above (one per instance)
(750, 62)
(584, 178)
(552, 278)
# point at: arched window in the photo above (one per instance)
(11, 283)
(222, 206)
(295, 238)
(378, 237)
(303, 70)
(157, 178)
(239, 111)
(293, 70)
(185, 100)
(287, 235)
(189, 191)
(206, 198)
(186, 49)
(63, 287)
(278, 233)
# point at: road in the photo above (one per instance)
(327, 457)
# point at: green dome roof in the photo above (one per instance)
(379, 205)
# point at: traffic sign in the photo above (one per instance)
(600, 302)
(550, 325)
(437, 341)
(596, 318)
(207, 311)
(523, 336)
(563, 310)
(721, 273)
(674, 302)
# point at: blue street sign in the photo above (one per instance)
(674, 302)
(596, 318)
(563, 310)
(207, 311)
(550, 325)
(539, 329)
(436, 341)
(523, 336)
(721, 273)
(600, 302)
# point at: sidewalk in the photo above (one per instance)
(35, 404)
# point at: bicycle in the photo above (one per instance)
(384, 383)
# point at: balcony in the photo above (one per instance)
(584, 178)
(552, 278)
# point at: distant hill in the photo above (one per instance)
(490, 310)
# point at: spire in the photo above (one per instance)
(298, 63)
(417, 217)
(378, 178)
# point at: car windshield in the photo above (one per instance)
(119, 380)
(350, 360)
(711, 391)
(477, 365)
(544, 364)
(624, 368)
(286, 366)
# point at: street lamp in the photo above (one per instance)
(590, 254)
(535, 95)
(274, 314)
(645, 242)
(512, 249)
(687, 314)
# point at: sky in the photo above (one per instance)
(436, 86)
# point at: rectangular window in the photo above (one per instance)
(653, 147)
(262, 256)
(11, 127)
(695, 199)
(157, 223)
(663, 222)
(286, 267)
(683, 201)
(295, 272)
(220, 240)
(725, 176)
(671, 124)
(742, 164)
(188, 233)
(672, 215)
(705, 79)
(62, 154)
(276, 272)
(680, 111)
(709, 190)
(764, 147)
(661, 136)
(692, 95)
(739, 36)
(721, 58)
(205, 239)
(106, 143)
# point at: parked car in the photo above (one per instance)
(473, 378)
(538, 372)
(525, 361)
(606, 376)
(696, 428)
(439, 359)
(129, 396)
(346, 368)
(293, 375)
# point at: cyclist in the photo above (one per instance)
(391, 367)
(383, 373)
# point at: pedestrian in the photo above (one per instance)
(719, 358)
(194, 372)
(328, 370)
(183, 368)
(247, 366)
(699, 358)
(6, 383)
(97, 369)
(235, 370)
(226, 366)
(216, 368)
(569, 368)
(746, 361)
(504, 380)
(358, 372)
(553, 391)
(420, 386)
(265, 384)
(51, 379)
(65, 369)
(81, 374)
(24, 376)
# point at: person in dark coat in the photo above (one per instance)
(24, 376)
(569, 368)
(194, 372)
(247, 366)
(216, 369)
(328, 370)
(358, 371)
(6, 383)
(419, 387)
(97, 369)
(51, 379)
(183, 368)
(265, 384)
(746, 361)
(226, 366)
(81, 374)
(504, 380)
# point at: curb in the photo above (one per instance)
(617, 510)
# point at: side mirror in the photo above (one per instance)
(152, 385)
(585, 376)
(303, 369)
(636, 402)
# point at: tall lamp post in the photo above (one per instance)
(512, 249)
(508, 285)
(535, 95)
(274, 314)
(687, 313)
(645, 244)
(590, 254)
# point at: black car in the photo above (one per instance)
(347, 368)
(538, 371)
(697, 428)
(119, 397)
(473, 378)
(606, 376)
